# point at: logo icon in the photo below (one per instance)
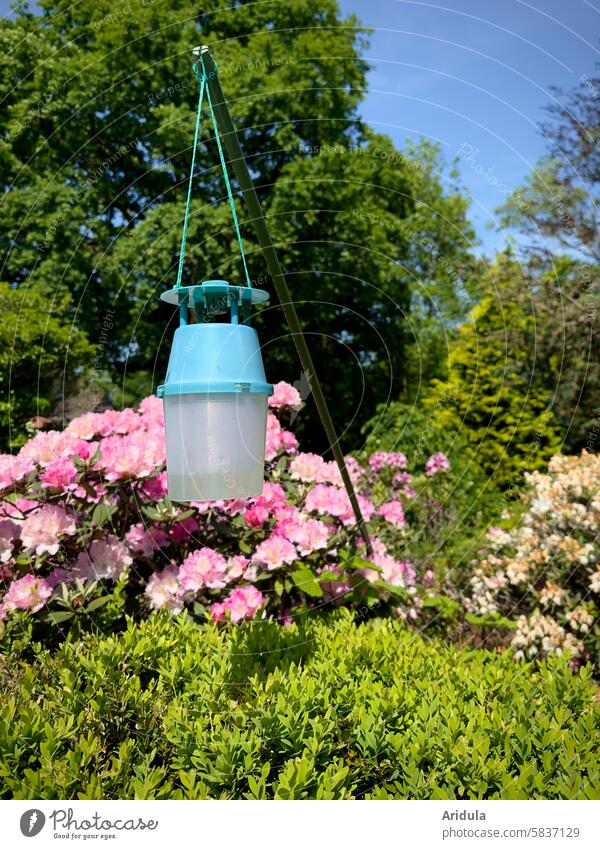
(32, 822)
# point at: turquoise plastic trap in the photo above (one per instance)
(215, 395)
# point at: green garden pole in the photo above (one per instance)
(240, 168)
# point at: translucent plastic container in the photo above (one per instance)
(215, 445)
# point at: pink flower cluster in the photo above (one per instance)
(14, 469)
(392, 459)
(437, 463)
(242, 603)
(393, 512)
(398, 572)
(96, 510)
(272, 497)
(312, 468)
(203, 569)
(285, 396)
(274, 552)
(43, 529)
(334, 501)
(278, 439)
(105, 558)
(28, 593)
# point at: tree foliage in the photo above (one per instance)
(494, 396)
(96, 152)
(41, 356)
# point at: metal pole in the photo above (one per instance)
(240, 168)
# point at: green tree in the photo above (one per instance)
(495, 397)
(42, 356)
(96, 155)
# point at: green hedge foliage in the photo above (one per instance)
(326, 709)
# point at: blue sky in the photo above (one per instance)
(476, 73)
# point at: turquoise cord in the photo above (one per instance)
(189, 194)
(202, 78)
(227, 183)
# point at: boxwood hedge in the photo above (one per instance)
(325, 708)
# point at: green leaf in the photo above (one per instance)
(306, 581)
(60, 616)
(97, 603)
(396, 593)
(490, 620)
(447, 606)
(102, 513)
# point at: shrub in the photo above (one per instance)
(449, 524)
(546, 569)
(87, 532)
(325, 708)
(493, 395)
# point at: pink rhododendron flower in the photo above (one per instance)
(327, 500)
(308, 535)
(274, 552)
(287, 517)
(47, 445)
(331, 474)
(202, 568)
(155, 488)
(234, 507)
(106, 558)
(256, 515)
(393, 513)
(242, 603)
(133, 455)
(19, 508)
(60, 473)
(288, 441)
(28, 593)
(152, 412)
(272, 496)
(278, 439)
(237, 567)
(334, 501)
(44, 527)
(218, 611)
(285, 395)
(14, 469)
(104, 424)
(139, 540)
(163, 590)
(395, 460)
(397, 572)
(85, 427)
(184, 531)
(9, 532)
(308, 468)
(367, 509)
(437, 463)
(355, 470)
(120, 421)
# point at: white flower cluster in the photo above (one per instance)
(542, 635)
(549, 562)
